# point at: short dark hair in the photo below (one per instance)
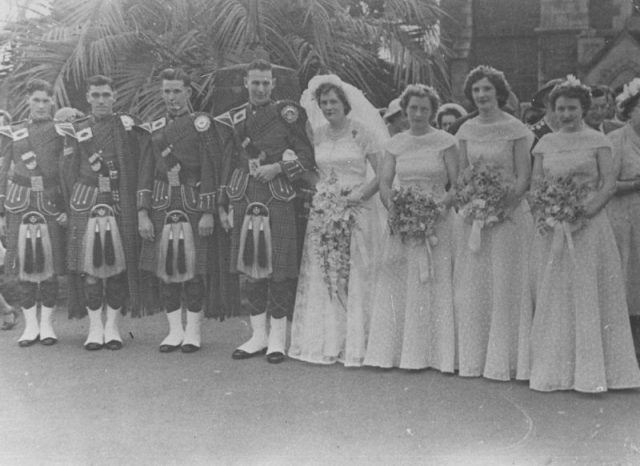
(99, 80)
(420, 90)
(601, 91)
(175, 74)
(36, 84)
(325, 88)
(259, 64)
(628, 105)
(572, 90)
(495, 77)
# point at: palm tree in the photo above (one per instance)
(132, 40)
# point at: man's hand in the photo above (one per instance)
(3, 226)
(225, 221)
(266, 173)
(145, 226)
(62, 219)
(205, 225)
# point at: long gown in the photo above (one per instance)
(624, 212)
(412, 324)
(492, 290)
(323, 331)
(581, 338)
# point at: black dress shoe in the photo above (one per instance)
(113, 345)
(188, 348)
(48, 341)
(168, 348)
(93, 346)
(242, 354)
(275, 358)
(25, 343)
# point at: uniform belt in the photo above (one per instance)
(184, 179)
(25, 181)
(93, 181)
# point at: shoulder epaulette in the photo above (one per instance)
(158, 124)
(6, 131)
(19, 130)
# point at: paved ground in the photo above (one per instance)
(64, 405)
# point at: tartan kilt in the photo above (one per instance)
(78, 222)
(284, 232)
(203, 246)
(56, 235)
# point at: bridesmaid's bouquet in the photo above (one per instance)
(332, 221)
(557, 200)
(481, 198)
(414, 215)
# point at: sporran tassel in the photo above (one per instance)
(97, 247)
(169, 260)
(109, 248)
(262, 246)
(247, 256)
(39, 262)
(182, 258)
(28, 254)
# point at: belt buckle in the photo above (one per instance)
(104, 184)
(37, 184)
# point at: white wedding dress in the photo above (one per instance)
(323, 331)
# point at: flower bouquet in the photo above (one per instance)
(332, 222)
(414, 215)
(557, 200)
(482, 198)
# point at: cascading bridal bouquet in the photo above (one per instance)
(481, 198)
(332, 222)
(414, 215)
(558, 201)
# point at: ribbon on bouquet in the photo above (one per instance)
(425, 260)
(475, 237)
(562, 231)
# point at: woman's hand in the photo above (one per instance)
(354, 198)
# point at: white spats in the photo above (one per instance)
(176, 331)
(192, 330)
(277, 335)
(258, 340)
(111, 331)
(31, 329)
(96, 330)
(46, 323)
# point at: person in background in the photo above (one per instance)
(394, 118)
(624, 208)
(601, 107)
(448, 114)
(540, 100)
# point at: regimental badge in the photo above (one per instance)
(158, 124)
(29, 159)
(239, 116)
(127, 122)
(290, 113)
(202, 123)
(20, 134)
(95, 161)
(84, 134)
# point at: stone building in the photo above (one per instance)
(533, 41)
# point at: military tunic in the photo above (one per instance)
(35, 149)
(268, 130)
(178, 174)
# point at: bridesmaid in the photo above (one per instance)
(492, 295)
(412, 318)
(580, 338)
(624, 207)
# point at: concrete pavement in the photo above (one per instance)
(64, 405)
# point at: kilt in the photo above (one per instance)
(203, 246)
(56, 234)
(284, 237)
(78, 222)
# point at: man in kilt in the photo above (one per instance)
(265, 149)
(176, 202)
(103, 241)
(32, 211)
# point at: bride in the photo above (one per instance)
(346, 131)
